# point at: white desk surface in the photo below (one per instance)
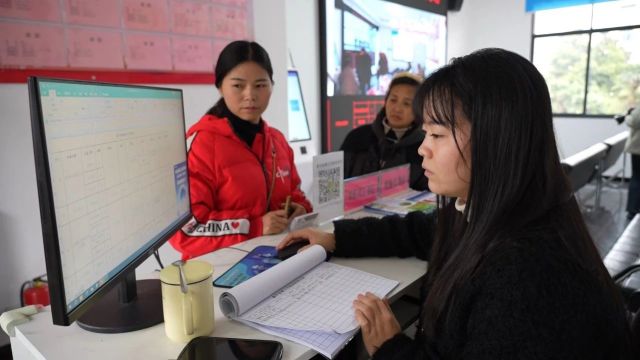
(40, 339)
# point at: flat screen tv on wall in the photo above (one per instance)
(363, 44)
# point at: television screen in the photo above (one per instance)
(298, 122)
(367, 42)
(112, 186)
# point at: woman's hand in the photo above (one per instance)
(274, 222)
(377, 322)
(314, 236)
(297, 210)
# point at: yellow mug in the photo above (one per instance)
(187, 300)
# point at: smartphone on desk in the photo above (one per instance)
(256, 261)
(215, 348)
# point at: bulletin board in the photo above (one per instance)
(125, 41)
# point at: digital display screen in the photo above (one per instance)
(258, 260)
(298, 122)
(367, 42)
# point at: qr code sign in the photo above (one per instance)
(329, 184)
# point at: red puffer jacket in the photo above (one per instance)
(229, 184)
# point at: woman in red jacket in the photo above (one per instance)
(241, 170)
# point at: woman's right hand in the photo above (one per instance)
(314, 236)
(274, 222)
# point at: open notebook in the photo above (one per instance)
(304, 299)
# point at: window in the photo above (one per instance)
(590, 57)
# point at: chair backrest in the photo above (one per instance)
(615, 147)
(582, 167)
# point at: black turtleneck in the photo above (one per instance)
(245, 129)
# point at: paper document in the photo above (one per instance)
(304, 299)
(424, 201)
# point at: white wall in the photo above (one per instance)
(489, 23)
(303, 45)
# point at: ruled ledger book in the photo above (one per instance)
(304, 299)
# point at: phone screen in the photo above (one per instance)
(256, 261)
(205, 348)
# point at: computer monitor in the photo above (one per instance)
(298, 122)
(112, 186)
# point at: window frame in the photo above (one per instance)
(589, 32)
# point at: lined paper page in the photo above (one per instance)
(320, 300)
(243, 297)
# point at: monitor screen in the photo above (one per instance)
(298, 122)
(364, 44)
(112, 184)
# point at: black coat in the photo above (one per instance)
(366, 150)
(529, 300)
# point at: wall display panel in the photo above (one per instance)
(364, 43)
(125, 41)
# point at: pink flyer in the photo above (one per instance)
(192, 54)
(190, 18)
(147, 52)
(92, 12)
(48, 10)
(95, 49)
(150, 15)
(24, 46)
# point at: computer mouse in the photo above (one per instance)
(291, 249)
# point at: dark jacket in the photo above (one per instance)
(528, 300)
(366, 150)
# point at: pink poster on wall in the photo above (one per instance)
(192, 54)
(360, 191)
(238, 3)
(48, 10)
(31, 45)
(145, 51)
(190, 18)
(118, 40)
(150, 15)
(92, 12)
(218, 45)
(95, 49)
(229, 22)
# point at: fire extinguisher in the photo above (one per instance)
(34, 292)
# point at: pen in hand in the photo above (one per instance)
(287, 206)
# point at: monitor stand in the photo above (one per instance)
(130, 306)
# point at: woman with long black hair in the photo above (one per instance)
(513, 272)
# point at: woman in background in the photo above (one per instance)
(241, 170)
(633, 147)
(393, 137)
(513, 272)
